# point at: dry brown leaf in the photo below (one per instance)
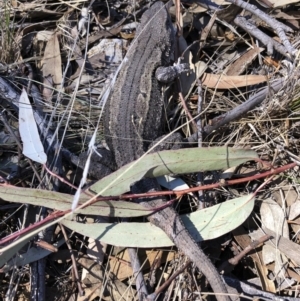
(196, 9)
(289, 272)
(30, 6)
(271, 254)
(221, 2)
(243, 239)
(294, 210)
(51, 63)
(48, 88)
(14, 3)
(273, 217)
(241, 64)
(284, 245)
(275, 3)
(221, 81)
(271, 62)
(120, 266)
(278, 3)
(44, 35)
(267, 284)
(287, 194)
(96, 280)
(230, 36)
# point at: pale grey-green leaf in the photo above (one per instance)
(180, 161)
(62, 202)
(204, 224)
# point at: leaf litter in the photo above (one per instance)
(66, 69)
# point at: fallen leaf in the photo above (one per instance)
(180, 161)
(32, 145)
(204, 224)
(221, 81)
(51, 61)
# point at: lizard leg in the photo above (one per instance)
(173, 141)
(168, 74)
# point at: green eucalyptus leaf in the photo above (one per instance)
(62, 202)
(180, 161)
(204, 224)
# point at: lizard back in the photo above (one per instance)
(134, 108)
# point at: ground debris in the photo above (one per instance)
(243, 56)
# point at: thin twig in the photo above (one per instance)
(74, 264)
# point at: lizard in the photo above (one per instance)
(133, 117)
